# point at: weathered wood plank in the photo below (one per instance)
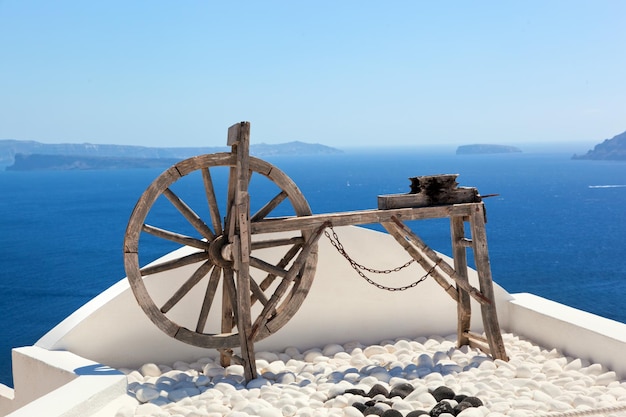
(456, 196)
(272, 243)
(442, 264)
(176, 237)
(358, 217)
(189, 214)
(187, 286)
(396, 232)
(174, 263)
(297, 265)
(131, 263)
(209, 296)
(267, 267)
(459, 253)
(269, 206)
(214, 211)
(477, 341)
(483, 268)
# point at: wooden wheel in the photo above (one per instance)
(281, 266)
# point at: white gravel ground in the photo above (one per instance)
(534, 382)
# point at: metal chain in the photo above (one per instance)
(334, 240)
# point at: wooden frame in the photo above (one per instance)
(226, 251)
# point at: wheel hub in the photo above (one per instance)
(220, 252)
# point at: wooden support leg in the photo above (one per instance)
(419, 243)
(244, 323)
(227, 320)
(398, 234)
(459, 252)
(483, 268)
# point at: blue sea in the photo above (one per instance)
(556, 228)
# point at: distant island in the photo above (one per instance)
(39, 162)
(18, 155)
(483, 149)
(613, 149)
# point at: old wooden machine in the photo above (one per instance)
(231, 245)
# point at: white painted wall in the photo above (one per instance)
(574, 332)
(59, 383)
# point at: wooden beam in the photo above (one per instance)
(478, 296)
(459, 253)
(396, 232)
(483, 268)
(351, 218)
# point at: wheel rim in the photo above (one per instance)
(203, 265)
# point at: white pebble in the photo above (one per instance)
(310, 355)
(267, 356)
(374, 350)
(352, 412)
(149, 409)
(150, 369)
(593, 369)
(125, 412)
(471, 412)
(606, 378)
(332, 349)
(145, 394)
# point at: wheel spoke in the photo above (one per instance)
(263, 244)
(208, 298)
(187, 286)
(174, 263)
(267, 267)
(257, 293)
(296, 267)
(271, 205)
(231, 294)
(189, 214)
(230, 201)
(265, 284)
(214, 210)
(175, 237)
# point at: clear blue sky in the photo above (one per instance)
(343, 73)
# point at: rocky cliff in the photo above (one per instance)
(611, 149)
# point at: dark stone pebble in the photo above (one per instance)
(440, 408)
(372, 410)
(474, 401)
(356, 391)
(459, 397)
(461, 406)
(401, 390)
(378, 389)
(359, 406)
(443, 393)
(392, 413)
(417, 413)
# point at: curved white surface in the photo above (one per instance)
(340, 307)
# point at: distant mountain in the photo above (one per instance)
(482, 149)
(611, 149)
(39, 162)
(132, 154)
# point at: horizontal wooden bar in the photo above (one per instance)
(477, 341)
(351, 218)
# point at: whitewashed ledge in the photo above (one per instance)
(111, 329)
